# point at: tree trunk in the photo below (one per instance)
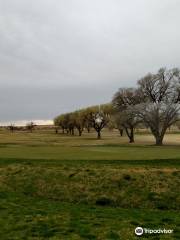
(159, 135)
(99, 135)
(121, 132)
(159, 140)
(130, 134)
(131, 139)
(80, 132)
(72, 131)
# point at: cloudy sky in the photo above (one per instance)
(59, 55)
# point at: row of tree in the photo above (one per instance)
(96, 117)
(155, 103)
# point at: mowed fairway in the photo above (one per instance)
(54, 186)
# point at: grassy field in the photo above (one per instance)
(54, 186)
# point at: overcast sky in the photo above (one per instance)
(59, 55)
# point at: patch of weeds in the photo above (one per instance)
(127, 177)
(104, 201)
(113, 236)
(134, 223)
(166, 220)
(72, 175)
(88, 236)
(176, 173)
(162, 205)
(120, 183)
(43, 229)
(3, 195)
(152, 196)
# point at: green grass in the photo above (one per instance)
(47, 145)
(61, 187)
(90, 152)
(34, 218)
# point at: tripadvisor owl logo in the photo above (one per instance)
(139, 231)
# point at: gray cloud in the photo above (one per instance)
(45, 103)
(56, 55)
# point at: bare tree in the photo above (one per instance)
(99, 121)
(11, 128)
(124, 101)
(30, 126)
(127, 120)
(79, 117)
(160, 101)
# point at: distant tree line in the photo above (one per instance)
(29, 127)
(155, 103)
